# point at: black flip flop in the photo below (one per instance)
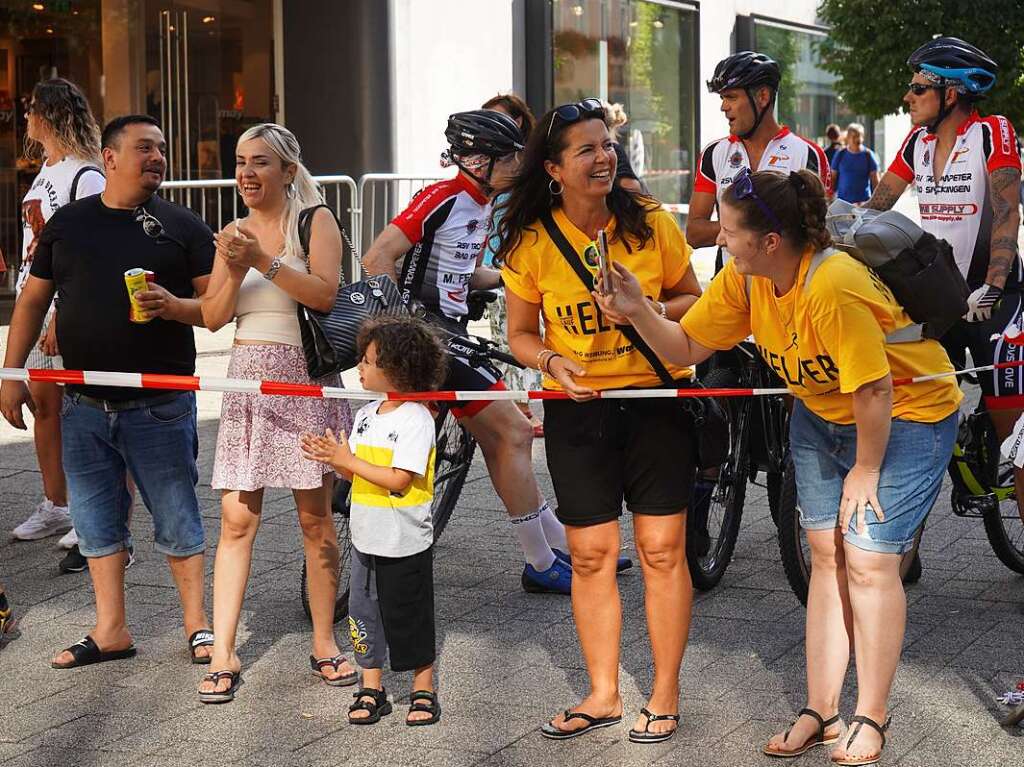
(432, 707)
(646, 736)
(222, 696)
(817, 739)
(593, 723)
(201, 638)
(344, 680)
(856, 725)
(87, 652)
(377, 707)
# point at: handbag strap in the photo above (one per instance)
(306, 229)
(587, 279)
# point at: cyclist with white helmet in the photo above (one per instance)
(966, 170)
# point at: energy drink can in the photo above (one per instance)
(135, 280)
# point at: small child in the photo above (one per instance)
(390, 459)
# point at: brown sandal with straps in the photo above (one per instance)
(854, 731)
(818, 739)
(646, 736)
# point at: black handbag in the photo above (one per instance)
(708, 417)
(329, 338)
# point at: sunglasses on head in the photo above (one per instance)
(743, 189)
(570, 113)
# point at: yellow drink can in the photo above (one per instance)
(135, 280)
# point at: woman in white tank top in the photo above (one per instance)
(259, 277)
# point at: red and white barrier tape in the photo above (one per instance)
(282, 388)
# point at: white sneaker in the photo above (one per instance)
(69, 541)
(45, 521)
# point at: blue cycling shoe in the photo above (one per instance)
(623, 563)
(557, 579)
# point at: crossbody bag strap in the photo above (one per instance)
(73, 194)
(587, 279)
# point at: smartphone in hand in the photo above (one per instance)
(604, 262)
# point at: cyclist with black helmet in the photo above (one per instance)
(972, 203)
(441, 237)
(747, 83)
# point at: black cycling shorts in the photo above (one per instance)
(602, 452)
(988, 346)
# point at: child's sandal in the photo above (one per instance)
(432, 707)
(376, 707)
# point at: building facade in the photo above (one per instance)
(367, 84)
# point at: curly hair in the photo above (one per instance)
(67, 114)
(531, 195)
(408, 351)
(797, 200)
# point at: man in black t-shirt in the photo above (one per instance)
(82, 256)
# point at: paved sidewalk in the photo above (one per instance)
(508, 660)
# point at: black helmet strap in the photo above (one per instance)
(944, 111)
(484, 182)
(758, 113)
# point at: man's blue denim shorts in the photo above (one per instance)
(912, 472)
(158, 444)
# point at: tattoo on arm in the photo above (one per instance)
(1004, 193)
(885, 195)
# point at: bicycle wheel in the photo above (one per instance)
(340, 512)
(1006, 535)
(796, 552)
(453, 459)
(713, 520)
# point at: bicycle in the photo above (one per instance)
(758, 439)
(453, 459)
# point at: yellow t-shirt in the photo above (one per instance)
(573, 325)
(827, 338)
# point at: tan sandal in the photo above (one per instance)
(854, 731)
(818, 739)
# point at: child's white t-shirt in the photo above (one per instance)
(384, 523)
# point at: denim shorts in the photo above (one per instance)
(159, 445)
(912, 472)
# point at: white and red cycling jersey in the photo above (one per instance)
(447, 224)
(957, 207)
(723, 158)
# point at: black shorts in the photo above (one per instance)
(603, 451)
(987, 345)
(463, 373)
(405, 589)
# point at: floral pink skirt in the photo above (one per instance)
(258, 439)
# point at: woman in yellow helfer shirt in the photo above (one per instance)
(599, 451)
(869, 457)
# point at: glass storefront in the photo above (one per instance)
(203, 68)
(807, 99)
(642, 54)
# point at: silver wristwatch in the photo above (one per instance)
(275, 265)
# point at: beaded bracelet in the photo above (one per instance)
(542, 356)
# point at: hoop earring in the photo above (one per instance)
(551, 187)
(290, 190)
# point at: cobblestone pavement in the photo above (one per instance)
(508, 660)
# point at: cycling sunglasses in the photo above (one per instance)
(919, 89)
(570, 113)
(743, 189)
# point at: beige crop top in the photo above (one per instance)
(264, 312)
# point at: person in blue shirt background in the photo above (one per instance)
(855, 167)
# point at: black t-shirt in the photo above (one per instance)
(85, 249)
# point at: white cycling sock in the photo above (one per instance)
(554, 530)
(532, 541)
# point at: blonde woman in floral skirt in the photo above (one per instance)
(260, 274)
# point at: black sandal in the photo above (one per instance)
(860, 721)
(318, 665)
(818, 739)
(433, 708)
(646, 736)
(378, 706)
(86, 652)
(593, 723)
(201, 638)
(221, 696)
